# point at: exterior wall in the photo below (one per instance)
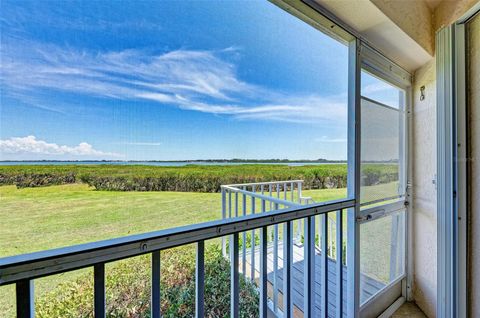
(424, 168)
(448, 11)
(424, 209)
(473, 40)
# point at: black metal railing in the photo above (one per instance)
(22, 270)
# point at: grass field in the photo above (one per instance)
(35, 219)
(42, 218)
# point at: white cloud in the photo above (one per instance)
(140, 143)
(326, 139)
(203, 81)
(32, 146)
(376, 87)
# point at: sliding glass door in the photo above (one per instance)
(382, 215)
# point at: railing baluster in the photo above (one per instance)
(287, 270)
(252, 248)
(236, 204)
(234, 279)
(229, 204)
(244, 237)
(25, 299)
(324, 257)
(299, 222)
(155, 301)
(292, 197)
(309, 267)
(99, 290)
(270, 194)
(224, 216)
(275, 265)
(339, 251)
(200, 279)
(263, 272)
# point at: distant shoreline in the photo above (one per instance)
(192, 161)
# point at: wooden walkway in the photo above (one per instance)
(368, 285)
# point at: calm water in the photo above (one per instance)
(150, 163)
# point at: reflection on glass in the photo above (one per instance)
(381, 91)
(382, 253)
(380, 159)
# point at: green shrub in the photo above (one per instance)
(190, 178)
(128, 289)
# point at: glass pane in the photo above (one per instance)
(381, 143)
(382, 253)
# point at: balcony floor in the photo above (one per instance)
(369, 285)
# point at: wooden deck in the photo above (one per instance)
(368, 285)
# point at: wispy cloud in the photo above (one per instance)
(30, 145)
(148, 144)
(326, 139)
(203, 81)
(375, 88)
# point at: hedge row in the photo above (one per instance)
(189, 178)
(128, 289)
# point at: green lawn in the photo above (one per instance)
(35, 219)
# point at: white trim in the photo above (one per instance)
(353, 180)
(393, 308)
(460, 160)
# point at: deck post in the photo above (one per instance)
(99, 290)
(234, 278)
(263, 272)
(287, 270)
(25, 299)
(200, 279)
(309, 268)
(155, 301)
(224, 216)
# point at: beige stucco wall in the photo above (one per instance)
(415, 19)
(473, 41)
(424, 169)
(424, 193)
(448, 11)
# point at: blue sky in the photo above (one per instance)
(168, 80)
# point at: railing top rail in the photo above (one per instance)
(261, 183)
(44, 263)
(258, 195)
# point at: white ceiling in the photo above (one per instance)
(373, 25)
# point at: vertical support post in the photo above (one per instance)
(299, 222)
(309, 268)
(324, 258)
(263, 272)
(155, 301)
(353, 178)
(244, 237)
(99, 290)
(339, 276)
(200, 279)
(252, 248)
(287, 270)
(234, 279)
(275, 265)
(224, 216)
(236, 204)
(292, 193)
(25, 299)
